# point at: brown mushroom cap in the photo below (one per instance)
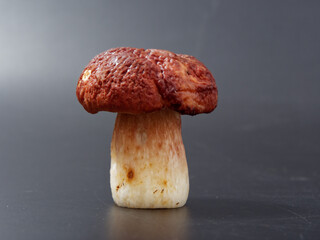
(131, 80)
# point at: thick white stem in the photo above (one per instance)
(148, 161)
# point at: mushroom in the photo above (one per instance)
(149, 89)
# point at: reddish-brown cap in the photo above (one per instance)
(131, 80)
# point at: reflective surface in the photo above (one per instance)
(253, 163)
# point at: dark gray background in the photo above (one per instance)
(253, 162)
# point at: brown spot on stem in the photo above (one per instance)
(155, 191)
(130, 174)
(162, 190)
(117, 188)
(165, 182)
(177, 203)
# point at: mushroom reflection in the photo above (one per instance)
(124, 223)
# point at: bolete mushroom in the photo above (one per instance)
(149, 89)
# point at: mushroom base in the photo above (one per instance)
(148, 162)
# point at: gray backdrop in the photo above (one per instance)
(253, 162)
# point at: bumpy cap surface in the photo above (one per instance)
(131, 80)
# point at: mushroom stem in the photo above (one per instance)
(148, 162)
